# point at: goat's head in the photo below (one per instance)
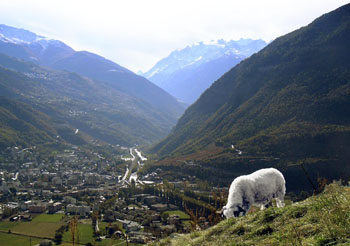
(233, 211)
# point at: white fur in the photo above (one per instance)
(257, 189)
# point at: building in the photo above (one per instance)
(45, 242)
(140, 237)
(69, 200)
(159, 207)
(37, 208)
(149, 200)
(25, 205)
(57, 181)
(141, 197)
(26, 217)
(168, 229)
(53, 208)
(91, 179)
(178, 185)
(81, 210)
(129, 226)
(21, 217)
(174, 219)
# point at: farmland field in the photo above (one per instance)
(43, 225)
(40, 229)
(85, 234)
(6, 225)
(54, 218)
(16, 240)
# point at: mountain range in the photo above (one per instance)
(186, 73)
(286, 105)
(81, 90)
(55, 54)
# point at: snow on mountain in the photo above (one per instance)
(20, 36)
(201, 52)
(186, 73)
(29, 39)
(16, 35)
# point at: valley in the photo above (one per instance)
(134, 166)
(92, 153)
(90, 185)
(282, 107)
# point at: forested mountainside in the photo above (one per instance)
(68, 102)
(121, 79)
(55, 54)
(287, 104)
(22, 125)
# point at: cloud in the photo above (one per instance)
(137, 33)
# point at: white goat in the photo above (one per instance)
(257, 189)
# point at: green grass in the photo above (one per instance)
(85, 234)
(182, 214)
(108, 242)
(6, 225)
(322, 220)
(54, 218)
(15, 240)
(104, 242)
(40, 229)
(43, 225)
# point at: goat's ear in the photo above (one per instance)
(240, 209)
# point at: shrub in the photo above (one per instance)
(58, 238)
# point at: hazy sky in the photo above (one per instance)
(137, 33)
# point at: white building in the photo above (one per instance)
(81, 210)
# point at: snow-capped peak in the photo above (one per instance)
(215, 42)
(201, 52)
(14, 35)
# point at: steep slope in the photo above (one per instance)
(188, 83)
(188, 72)
(55, 54)
(26, 45)
(288, 102)
(73, 102)
(99, 68)
(319, 220)
(22, 125)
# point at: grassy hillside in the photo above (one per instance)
(319, 220)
